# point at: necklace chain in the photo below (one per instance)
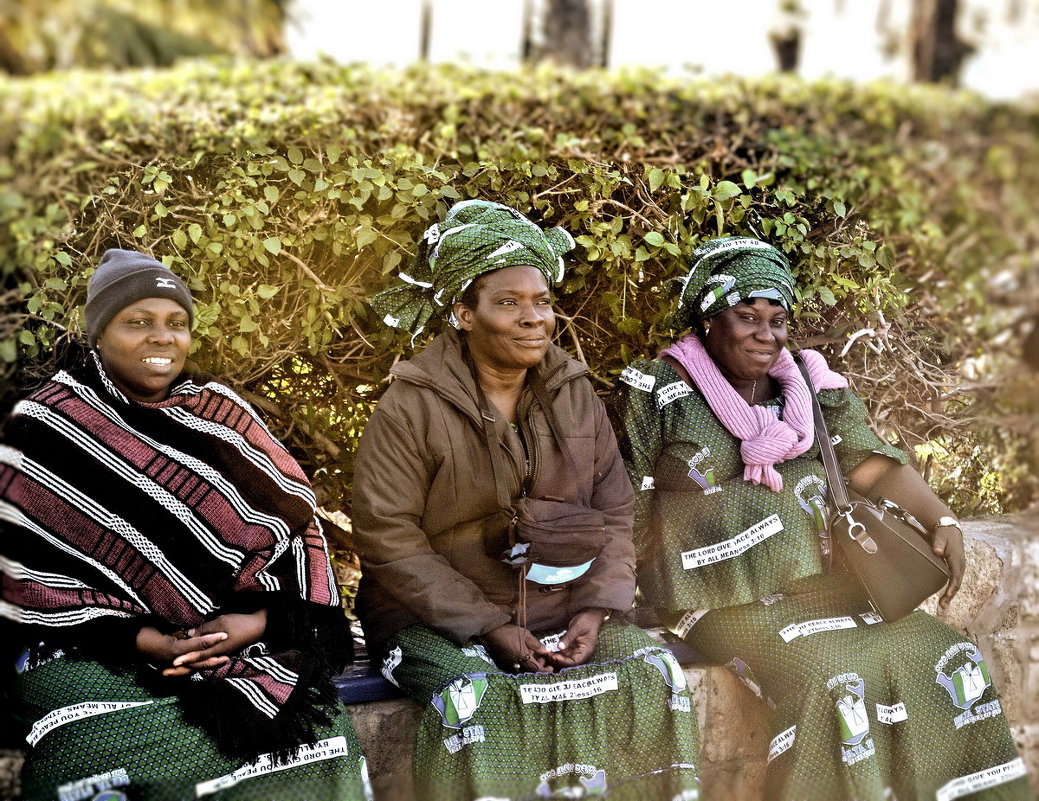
(753, 391)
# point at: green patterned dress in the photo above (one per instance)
(861, 709)
(496, 736)
(123, 742)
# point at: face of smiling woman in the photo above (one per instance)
(144, 347)
(512, 324)
(745, 340)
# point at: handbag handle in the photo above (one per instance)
(838, 489)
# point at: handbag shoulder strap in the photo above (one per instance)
(537, 386)
(838, 490)
(678, 368)
(488, 419)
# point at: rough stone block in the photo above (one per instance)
(386, 730)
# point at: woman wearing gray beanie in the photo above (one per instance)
(152, 299)
(163, 556)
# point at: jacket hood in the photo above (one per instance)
(442, 367)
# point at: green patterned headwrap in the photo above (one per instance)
(475, 237)
(728, 270)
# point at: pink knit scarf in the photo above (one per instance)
(765, 439)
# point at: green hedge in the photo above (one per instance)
(287, 194)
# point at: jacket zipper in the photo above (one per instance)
(531, 477)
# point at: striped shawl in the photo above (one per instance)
(118, 514)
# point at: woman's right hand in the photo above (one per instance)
(162, 650)
(516, 650)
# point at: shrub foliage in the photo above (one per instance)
(288, 194)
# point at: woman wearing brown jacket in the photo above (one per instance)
(531, 690)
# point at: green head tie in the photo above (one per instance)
(728, 270)
(475, 237)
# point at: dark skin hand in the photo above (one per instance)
(879, 477)
(509, 645)
(205, 646)
(577, 645)
(165, 650)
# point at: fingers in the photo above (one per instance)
(577, 655)
(957, 565)
(195, 659)
(536, 663)
(199, 648)
(578, 643)
(199, 662)
(241, 630)
(536, 654)
(576, 651)
(187, 668)
(948, 543)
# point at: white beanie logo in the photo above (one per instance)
(165, 283)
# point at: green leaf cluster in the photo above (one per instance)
(287, 194)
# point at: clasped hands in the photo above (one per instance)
(517, 650)
(206, 646)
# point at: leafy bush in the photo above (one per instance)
(287, 194)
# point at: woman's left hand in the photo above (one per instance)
(948, 542)
(577, 645)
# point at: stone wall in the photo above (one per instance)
(998, 607)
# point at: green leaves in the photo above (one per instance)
(286, 215)
(725, 190)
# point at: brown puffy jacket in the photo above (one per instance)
(424, 499)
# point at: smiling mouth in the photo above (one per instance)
(160, 361)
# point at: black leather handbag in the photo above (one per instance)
(884, 547)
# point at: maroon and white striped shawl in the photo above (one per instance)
(117, 514)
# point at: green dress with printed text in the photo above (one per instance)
(860, 708)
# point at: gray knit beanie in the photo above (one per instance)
(124, 277)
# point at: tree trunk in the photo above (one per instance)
(787, 47)
(937, 52)
(11, 60)
(567, 33)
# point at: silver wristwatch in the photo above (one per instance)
(948, 521)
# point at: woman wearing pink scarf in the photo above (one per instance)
(734, 555)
